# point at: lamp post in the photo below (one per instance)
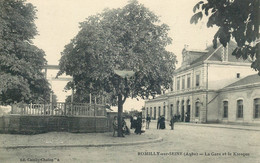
(124, 74)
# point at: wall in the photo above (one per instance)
(220, 76)
(213, 108)
(248, 95)
(17, 124)
(157, 103)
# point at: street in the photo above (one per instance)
(186, 143)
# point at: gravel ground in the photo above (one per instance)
(187, 143)
(65, 138)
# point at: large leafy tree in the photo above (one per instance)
(129, 38)
(238, 19)
(21, 77)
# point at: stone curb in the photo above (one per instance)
(88, 145)
(236, 128)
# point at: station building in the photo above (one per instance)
(211, 86)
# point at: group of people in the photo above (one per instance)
(125, 129)
(161, 122)
(137, 123)
(140, 125)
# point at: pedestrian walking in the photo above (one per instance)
(158, 122)
(138, 125)
(172, 122)
(162, 123)
(148, 120)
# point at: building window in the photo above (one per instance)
(188, 81)
(197, 109)
(256, 107)
(197, 80)
(225, 109)
(240, 109)
(178, 83)
(238, 75)
(183, 82)
(159, 111)
(151, 111)
(154, 113)
(177, 107)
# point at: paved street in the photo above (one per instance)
(194, 143)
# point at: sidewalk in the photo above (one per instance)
(222, 125)
(65, 139)
(219, 125)
(247, 127)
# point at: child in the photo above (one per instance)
(143, 126)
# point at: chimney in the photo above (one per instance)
(185, 54)
(225, 54)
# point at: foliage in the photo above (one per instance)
(130, 38)
(235, 18)
(21, 63)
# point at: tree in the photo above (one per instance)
(21, 79)
(128, 38)
(238, 19)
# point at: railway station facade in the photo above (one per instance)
(210, 86)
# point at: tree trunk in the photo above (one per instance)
(119, 116)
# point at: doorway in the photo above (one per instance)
(182, 111)
(187, 114)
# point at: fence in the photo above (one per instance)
(60, 109)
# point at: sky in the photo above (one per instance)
(58, 22)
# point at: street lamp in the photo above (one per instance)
(124, 73)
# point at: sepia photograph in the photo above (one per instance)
(111, 81)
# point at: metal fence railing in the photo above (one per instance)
(60, 109)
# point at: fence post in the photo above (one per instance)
(65, 109)
(94, 110)
(44, 110)
(30, 108)
(52, 108)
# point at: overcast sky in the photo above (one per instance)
(58, 22)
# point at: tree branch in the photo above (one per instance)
(125, 96)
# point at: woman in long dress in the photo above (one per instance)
(138, 125)
(162, 123)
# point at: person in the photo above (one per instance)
(148, 120)
(178, 117)
(134, 122)
(138, 125)
(143, 126)
(115, 125)
(162, 123)
(131, 122)
(158, 122)
(172, 121)
(187, 117)
(126, 130)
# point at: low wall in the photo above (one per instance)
(24, 124)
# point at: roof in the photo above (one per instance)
(249, 80)
(211, 54)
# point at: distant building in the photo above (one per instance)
(210, 86)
